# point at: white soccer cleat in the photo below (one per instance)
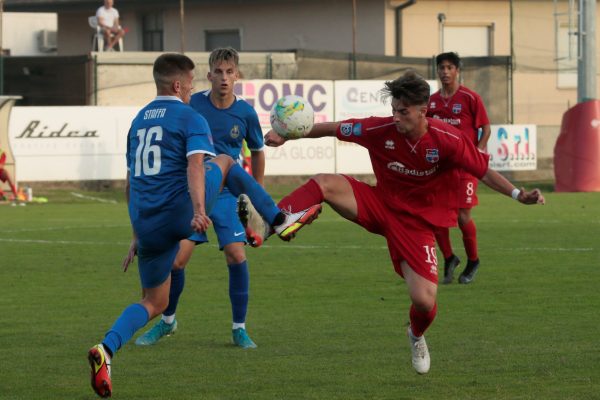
(296, 221)
(420, 353)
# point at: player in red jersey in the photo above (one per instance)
(416, 162)
(462, 108)
(5, 177)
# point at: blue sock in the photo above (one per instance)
(177, 284)
(131, 320)
(239, 281)
(239, 181)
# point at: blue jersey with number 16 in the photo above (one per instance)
(161, 137)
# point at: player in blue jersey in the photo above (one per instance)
(172, 185)
(231, 120)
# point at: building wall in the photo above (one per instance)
(421, 30)
(537, 99)
(264, 26)
(20, 32)
(327, 26)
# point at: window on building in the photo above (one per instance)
(566, 58)
(222, 38)
(468, 40)
(152, 32)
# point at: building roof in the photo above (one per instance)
(75, 5)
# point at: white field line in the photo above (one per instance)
(294, 246)
(82, 196)
(63, 228)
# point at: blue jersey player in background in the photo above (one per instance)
(231, 120)
(171, 188)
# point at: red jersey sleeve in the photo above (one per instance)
(470, 158)
(360, 131)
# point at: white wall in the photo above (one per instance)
(20, 31)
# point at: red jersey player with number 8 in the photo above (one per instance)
(463, 109)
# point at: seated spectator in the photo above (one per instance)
(108, 20)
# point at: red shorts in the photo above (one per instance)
(408, 238)
(467, 196)
(3, 175)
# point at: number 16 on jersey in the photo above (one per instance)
(147, 155)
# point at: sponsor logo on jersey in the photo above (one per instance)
(346, 128)
(357, 129)
(400, 168)
(432, 155)
(234, 132)
(456, 108)
(432, 104)
(390, 145)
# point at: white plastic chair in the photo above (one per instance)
(98, 42)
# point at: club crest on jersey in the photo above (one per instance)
(234, 132)
(390, 145)
(456, 108)
(432, 155)
(346, 128)
(432, 104)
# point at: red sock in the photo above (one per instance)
(420, 321)
(303, 197)
(442, 237)
(469, 232)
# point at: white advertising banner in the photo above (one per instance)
(70, 143)
(89, 143)
(360, 99)
(513, 147)
(298, 157)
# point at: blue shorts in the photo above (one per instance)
(225, 221)
(158, 243)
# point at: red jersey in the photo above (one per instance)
(463, 110)
(419, 178)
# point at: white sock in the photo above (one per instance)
(238, 325)
(169, 319)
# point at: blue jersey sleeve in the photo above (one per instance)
(199, 138)
(254, 138)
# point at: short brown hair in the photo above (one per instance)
(169, 65)
(410, 88)
(223, 54)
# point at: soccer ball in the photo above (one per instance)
(292, 117)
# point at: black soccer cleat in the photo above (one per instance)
(468, 274)
(450, 265)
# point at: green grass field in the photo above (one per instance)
(327, 311)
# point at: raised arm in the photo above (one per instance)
(502, 185)
(319, 130)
